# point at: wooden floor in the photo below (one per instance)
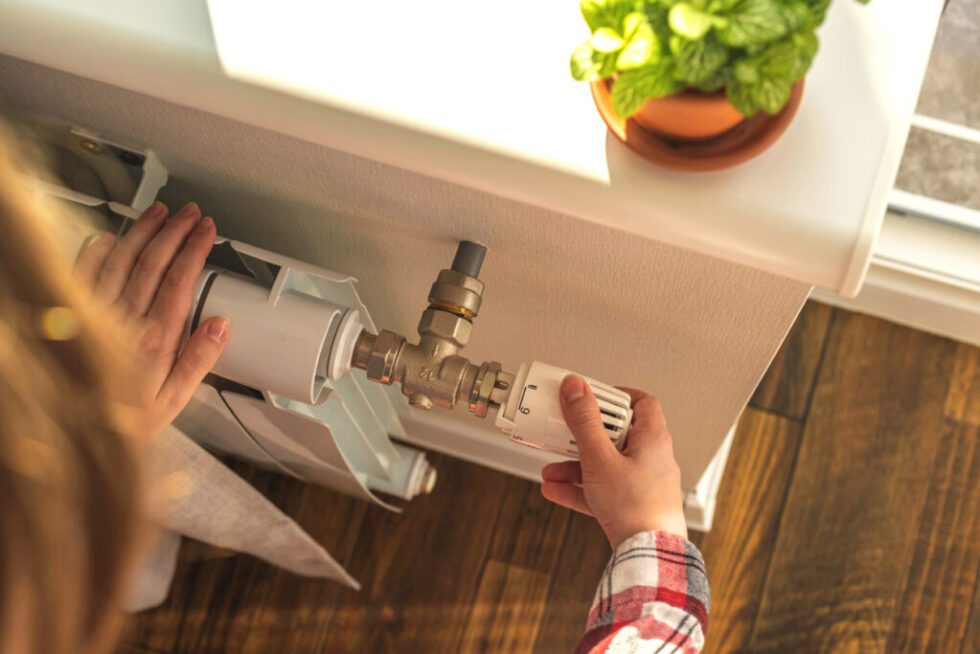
(848, 521)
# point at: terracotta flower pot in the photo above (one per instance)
(745, 139)
(689, 115)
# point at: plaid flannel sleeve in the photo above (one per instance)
(653, 596)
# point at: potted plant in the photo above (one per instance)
(693, 69)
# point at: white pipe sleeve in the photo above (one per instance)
(277, 344)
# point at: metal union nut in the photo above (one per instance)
(483, 385)
(446, 326)
(381, 364)
(454, 278)
(457, 292)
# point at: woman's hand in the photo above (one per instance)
(627, 492)
(148, 277)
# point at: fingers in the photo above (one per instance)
(92, 259)
(175, 296)
(119, 265)
(566, 472)
(647, 411)
(581, 412)
(198, 357)
(648, 414)
(156, 258)
(571, 497)
(649, 430)
(635, 394)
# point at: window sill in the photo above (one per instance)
(508, 119)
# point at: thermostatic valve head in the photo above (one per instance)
(433, 373)
(532, 415)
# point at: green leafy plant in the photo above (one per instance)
(753, 49)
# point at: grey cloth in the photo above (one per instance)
(194, 494)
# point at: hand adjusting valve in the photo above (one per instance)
(433, 373)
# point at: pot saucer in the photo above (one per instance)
(744, 141)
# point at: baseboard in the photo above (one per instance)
(699, 503)
(923, 274)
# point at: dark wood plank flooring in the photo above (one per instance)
(848, 521)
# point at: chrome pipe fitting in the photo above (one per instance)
(431, 372)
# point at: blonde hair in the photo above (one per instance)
(69, 504)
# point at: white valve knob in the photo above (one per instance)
(531, 414)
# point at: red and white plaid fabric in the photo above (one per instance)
(653, 597)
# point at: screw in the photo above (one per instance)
(420, 401)
(91, 146)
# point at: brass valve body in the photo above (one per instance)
(432, 372)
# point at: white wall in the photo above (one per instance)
(696, 331)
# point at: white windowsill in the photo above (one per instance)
(481, 96)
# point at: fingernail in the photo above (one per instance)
(205, 225)
(572, 388)
(156, 210)
(189, 209)
(102, 240)
(217, 329)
